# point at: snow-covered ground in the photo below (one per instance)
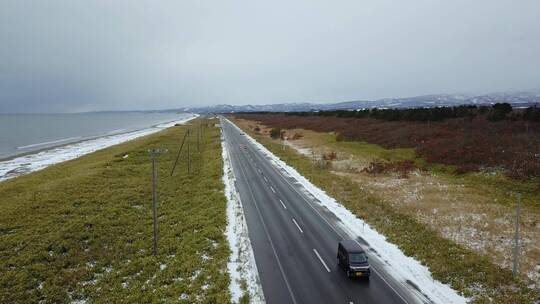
(403, 268)
(33, 162)
(241, 265)
(304, 151)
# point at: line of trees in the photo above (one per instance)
(499, 111)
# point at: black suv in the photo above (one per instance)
(353, 259)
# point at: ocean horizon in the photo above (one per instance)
(30, 142)
(25, 133)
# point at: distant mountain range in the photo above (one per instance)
(517, 99)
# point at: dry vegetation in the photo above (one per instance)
(469, 144)
(474, 210)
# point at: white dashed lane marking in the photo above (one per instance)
(282, 204)
(320, 259)
(297, 226)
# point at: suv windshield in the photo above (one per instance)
(358, 258)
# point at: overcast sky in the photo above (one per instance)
(66, 56)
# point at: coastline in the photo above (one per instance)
(27, 162)
(80, 231)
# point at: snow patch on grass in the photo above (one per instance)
(89, 282)
(304, 151)
(196, 273)
(241, 265)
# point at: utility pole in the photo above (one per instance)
(312, 162)
(201, 154)
(203, 128)
(198, 137)
(179, 151)
(154, 153)
(516, 238)
(188, 154)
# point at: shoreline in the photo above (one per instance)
(31, 161)
(83, 139)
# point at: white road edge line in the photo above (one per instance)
(297, 226)
(271, 188)
(388, 284)
(320, 259)
(282, 204)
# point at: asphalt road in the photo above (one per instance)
(295, 240)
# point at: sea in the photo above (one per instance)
(30, 142)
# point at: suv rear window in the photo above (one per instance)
(357, 257)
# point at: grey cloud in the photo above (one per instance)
(58, 56)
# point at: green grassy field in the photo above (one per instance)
(472, 274)
(82, 230)
(367, 150)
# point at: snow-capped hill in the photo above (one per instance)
(513, 98)
(519, 99)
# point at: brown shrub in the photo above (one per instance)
(468, 144)
(329, 156)
(403, 168)
(297, 136)
(275, 133)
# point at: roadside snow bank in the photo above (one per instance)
(241, 265)
(404, 269)
(34, 162)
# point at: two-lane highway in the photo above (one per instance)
(294, 241)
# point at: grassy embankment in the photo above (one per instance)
(472, 274)
(83, 229)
